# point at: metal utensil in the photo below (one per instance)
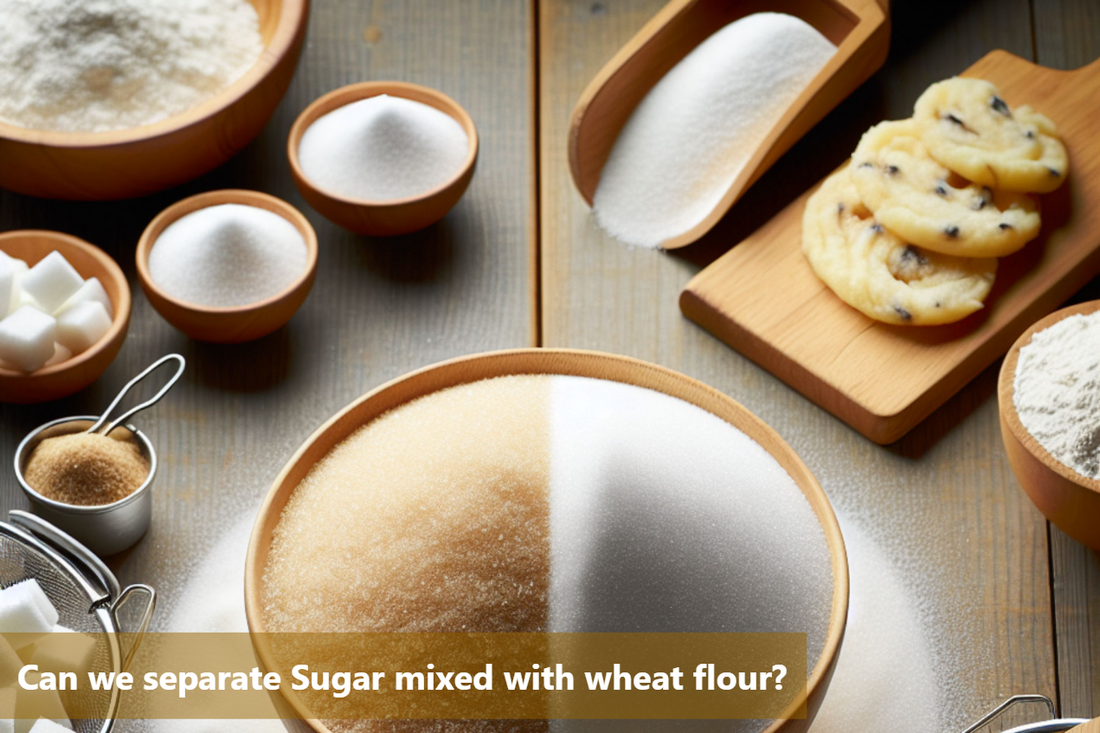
(107, 528)
(1053, 725)
(88, 599)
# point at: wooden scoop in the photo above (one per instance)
(859, 28)
(763, 299)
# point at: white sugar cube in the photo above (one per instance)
(27, 337)
(64, 651)
(15, 296)
(32, 706)
(26, 610)
(51, 726)
(52, 281)
(7, 709)
(81, 326)
(30, 588)
(9, 276)
(91, 290)
(10, 664)
(60, 354)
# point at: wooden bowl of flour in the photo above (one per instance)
(465, 370)
(134, 162)
(1068, 499)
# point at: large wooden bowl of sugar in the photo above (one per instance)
(133, 162)
(613, 368)
(1067, 498)
(236, 323)
(388, 216)
(65, 378)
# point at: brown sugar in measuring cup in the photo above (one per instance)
(85, 486)
(86, 469)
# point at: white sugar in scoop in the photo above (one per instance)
(227, 255)
(693, 133)
(383, 148)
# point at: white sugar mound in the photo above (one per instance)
(884, 627)
(695, 130)
(227, 255)
(213, 601)
(99, 65)
(665, 517)
(383, 148)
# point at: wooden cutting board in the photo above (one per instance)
(763, 299)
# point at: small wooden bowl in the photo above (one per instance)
(1065, 497)
(541, 361)
(234, 324)
(62, 380)
(383, 218)
(124, 163)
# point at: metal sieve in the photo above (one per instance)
(1054, 725)
(88, 599)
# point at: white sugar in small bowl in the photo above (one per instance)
(1068, 499)
(230, 324)
(383, 217)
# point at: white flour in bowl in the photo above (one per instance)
(1057, 391)
(99, 65)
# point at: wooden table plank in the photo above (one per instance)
(1067, 35)
(379, 308)
(942, 502)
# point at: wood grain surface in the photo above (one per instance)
(379, 308)
(942, 503)
(763, 298)
(1066, 36)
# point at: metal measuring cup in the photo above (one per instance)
(107, 528)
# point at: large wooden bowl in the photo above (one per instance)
(125, 163)
(73, 375)
(542, 361)
(383, 218)
(234, 324)
(1064, 496)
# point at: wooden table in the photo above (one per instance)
(519, 262)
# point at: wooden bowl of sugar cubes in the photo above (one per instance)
(65, 309)
(184, 93)
(1049, 395)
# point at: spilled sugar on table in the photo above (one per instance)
(383, 308)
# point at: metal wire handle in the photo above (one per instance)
(148, 403)
(146, 616)
(1041, 727)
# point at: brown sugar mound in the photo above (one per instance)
(86, 469)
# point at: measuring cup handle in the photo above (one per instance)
(148, 403)
(150, 596)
